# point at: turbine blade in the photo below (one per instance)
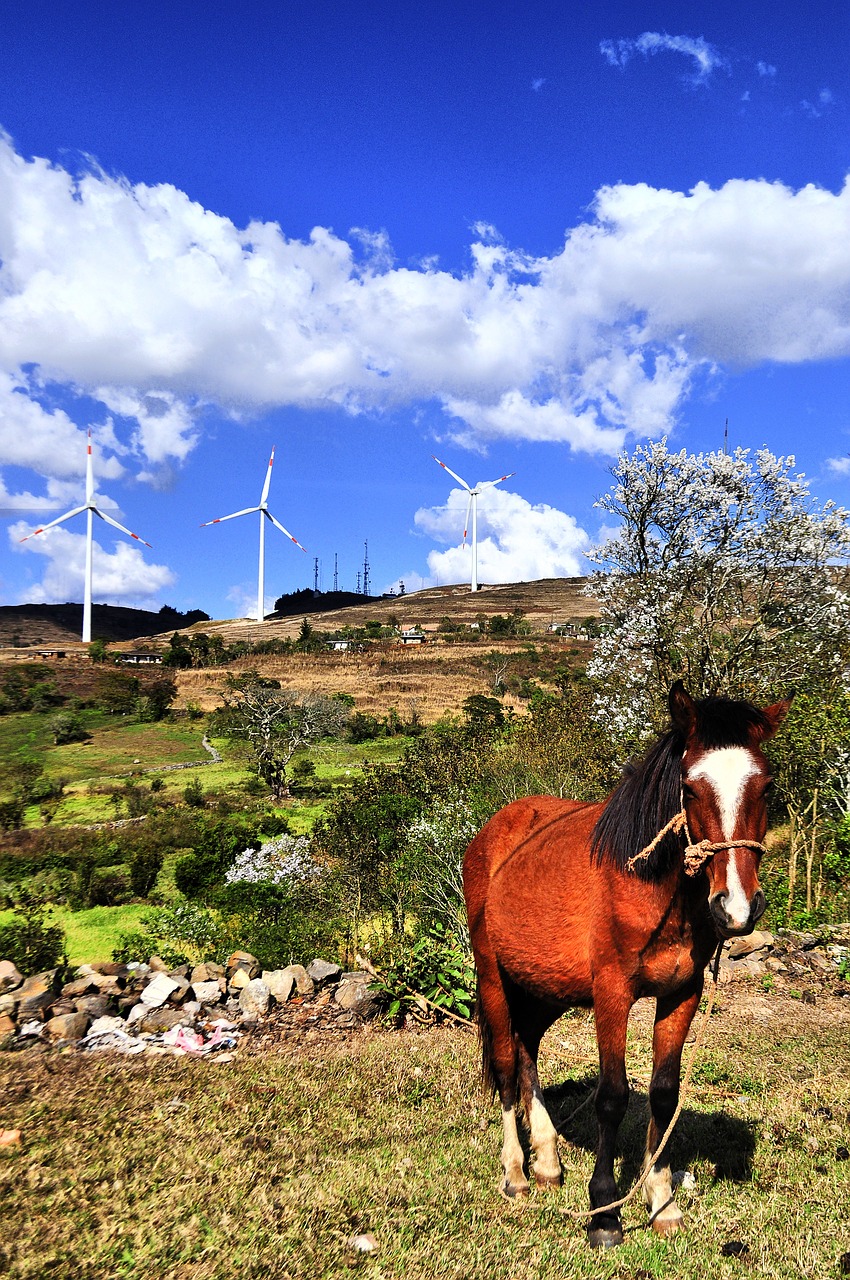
(278, 525)
(451, 473)
(58, 520)
(116, 525)
(89, 473)
(268, 479)
(488, 484)
(232, 516)
(466, 519)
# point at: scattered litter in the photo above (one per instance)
(115, 1039)
(685, 1179)
(10, 1137)
(34, 1028)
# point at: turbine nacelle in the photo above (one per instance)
(472, 509)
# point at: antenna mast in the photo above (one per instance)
(726, 437)
(336, 572)
(365, 568)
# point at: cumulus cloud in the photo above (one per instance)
(839, 466)
(120, 576)
(824, 101)
(766, 69)
(517, 541)
(705, 56)
(597, 342)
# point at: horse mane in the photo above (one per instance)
(649, 793)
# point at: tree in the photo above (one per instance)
(277, 722)
(721, 574)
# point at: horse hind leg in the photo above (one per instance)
(544, 1135)
(500, 1068)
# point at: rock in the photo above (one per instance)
(79, 987)
(7, 1027)
(254, 999)
(137, 1012)
(36, 995)
(280, 983)
(206, 992)
(94, 1006)
(164, 1019)
(157, 992)
(215, 970)
(354, 995)
(110, 968)
(9, 976)
(179, 971)
(755, 941)
(157, 964)
(31, 1029)
(303, 982)
(67, 1026)
(239, 980)
(200, 973)
(8, 1004)
(323, 971)
(243, 960)
(365, 1243)
(181, 990)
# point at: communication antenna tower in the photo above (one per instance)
(336, 572)
(316, 575)
(365, 568)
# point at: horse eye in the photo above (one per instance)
(687, 790)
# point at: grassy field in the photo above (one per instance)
(267, 1166)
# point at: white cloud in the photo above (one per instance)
(538, 83)
(121, 576)
(822, 104)
(139, 298)
(517, 541)
(840, 466)
(704, 55)
(243, 596)
(765, 69)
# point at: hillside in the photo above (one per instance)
(22, 625)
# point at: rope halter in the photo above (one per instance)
(696, 855)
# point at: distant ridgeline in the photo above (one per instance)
(309, 601)
(26, 624)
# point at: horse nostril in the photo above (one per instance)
(759, 906)
(717, 907)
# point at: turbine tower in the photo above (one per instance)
(91, 509)
(265, 514)
(472, 506)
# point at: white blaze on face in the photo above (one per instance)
(727, 770)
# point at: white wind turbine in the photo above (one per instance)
(472, 505)
(91, 509)
(265, 514)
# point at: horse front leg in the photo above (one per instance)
(673, 1017)
(612, 1096)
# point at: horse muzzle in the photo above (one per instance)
(729, 926)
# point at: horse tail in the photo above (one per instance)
(485, 1043)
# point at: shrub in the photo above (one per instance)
(193, 794)
(435, 967)
(29, 941)
(68, 726)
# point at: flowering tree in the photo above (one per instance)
(285, 860)
(723, 573)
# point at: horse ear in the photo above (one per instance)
(682, 708)
(775, 715)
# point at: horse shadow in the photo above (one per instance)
(725, 1142)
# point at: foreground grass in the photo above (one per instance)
(267, 1166)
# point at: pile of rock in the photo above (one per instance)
(110, 1004)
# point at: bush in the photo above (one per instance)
(434, 967)
(68, 726)
(193, 794)
(29, 941)
(109, 886)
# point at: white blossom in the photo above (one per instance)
(286, 860)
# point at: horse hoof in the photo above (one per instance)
(514, 1190)
(545, 1181)
(668, 1224)
(604, 1237)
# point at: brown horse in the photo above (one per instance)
(562, 913)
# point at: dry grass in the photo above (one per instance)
(432, 680)
(268, 1165)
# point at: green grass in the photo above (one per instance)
(92, 934)
(267, 1166)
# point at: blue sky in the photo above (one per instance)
(519, 237)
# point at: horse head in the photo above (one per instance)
(725, 779)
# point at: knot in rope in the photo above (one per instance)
(696, 855)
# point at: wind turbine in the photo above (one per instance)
(472, 505)
(91, 509)
(264, 512)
